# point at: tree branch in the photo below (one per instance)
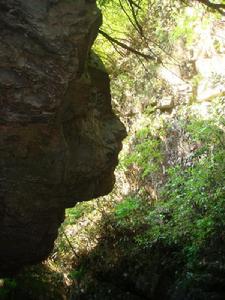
(216, 6)
(140, 29)
(70, 244)
(126, 13)
(124, 46)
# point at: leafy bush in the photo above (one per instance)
(192, 208)
(146, 153)
(7, 288)
(126, 207)
(80, 210)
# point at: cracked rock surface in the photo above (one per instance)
(59, 138)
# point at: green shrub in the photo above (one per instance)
(146, 153)
(126, 207)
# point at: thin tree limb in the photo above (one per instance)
(129, 18)
(216, 6)
(70, 244)
(117, 42)
(140, 29)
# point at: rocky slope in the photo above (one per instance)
(59, 138)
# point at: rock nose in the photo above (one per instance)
(122, 132)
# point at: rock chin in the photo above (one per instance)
(59, 138)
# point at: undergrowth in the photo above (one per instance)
(177, 232)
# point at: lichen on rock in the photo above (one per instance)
(59, 137)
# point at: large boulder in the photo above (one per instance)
(59, 138)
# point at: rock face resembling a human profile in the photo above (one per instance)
(59, 138)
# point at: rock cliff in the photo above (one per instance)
(59, 137)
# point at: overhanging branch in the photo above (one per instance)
(125, 46)
(220, 7)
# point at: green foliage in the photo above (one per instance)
(80, 210)
(36, 282)
(142, 24)
(126, 207)
(188, 216)
(77, 274)
(206, 131)
(115, 23)
(146, 153)
(193, 198)
(184, 28)
(7, 289)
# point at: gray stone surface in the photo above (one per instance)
(59, 138)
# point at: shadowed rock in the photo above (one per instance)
(59, 139)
